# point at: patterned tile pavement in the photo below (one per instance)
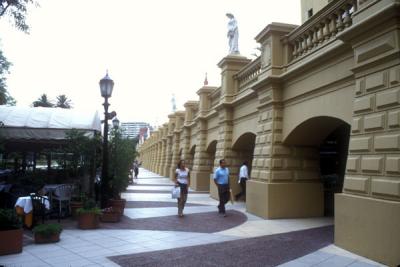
(93, 247)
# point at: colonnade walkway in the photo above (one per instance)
(151, 234)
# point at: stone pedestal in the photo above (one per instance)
(285, 200)
(368, 227)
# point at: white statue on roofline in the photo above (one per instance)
(233, 34)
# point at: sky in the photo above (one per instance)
(152, 50)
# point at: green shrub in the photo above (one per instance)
(9, 220)
(48, 229)
(89, 206)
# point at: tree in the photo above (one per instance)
(63, 102)
(43, 101)
(16, 10)
(122, 152)
(5, 98)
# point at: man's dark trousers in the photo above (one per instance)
(223, 193)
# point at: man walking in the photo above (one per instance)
(243, 176)
(221, 180)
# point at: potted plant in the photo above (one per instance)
(88, 215)
(123, 153)
(110, 215)
(47, 233)
(11, 233)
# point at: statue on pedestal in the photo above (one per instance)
(233, 34)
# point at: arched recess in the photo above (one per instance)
(211, 149)
(243, 150)
(327, 139)
(190, 159)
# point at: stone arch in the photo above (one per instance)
(313, 131)
(243, 150)
(244, 142)
(321, 143)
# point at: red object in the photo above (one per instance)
(11, 241)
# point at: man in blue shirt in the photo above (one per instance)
(221, 180)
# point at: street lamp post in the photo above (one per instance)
(106, 88)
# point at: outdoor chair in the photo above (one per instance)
(39, 208)
(62, 193)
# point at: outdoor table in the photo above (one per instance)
(24, 208)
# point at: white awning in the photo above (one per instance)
(45, 123)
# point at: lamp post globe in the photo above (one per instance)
(115, 123)
(106, 86)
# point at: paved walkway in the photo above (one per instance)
(94, 247)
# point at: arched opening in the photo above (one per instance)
(328, 139)
(190, 158)
(333, 157)
(211, 149)
(243, 149)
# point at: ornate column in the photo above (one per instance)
(170, 143)
(176, 142)
(187, 127)
(230, 66)
(164, 149)
(200, 176)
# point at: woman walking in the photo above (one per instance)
(182, 179)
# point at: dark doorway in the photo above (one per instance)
(333, 158)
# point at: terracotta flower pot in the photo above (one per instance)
(118, 205)
(88, 221)
(110, 217)
(41, 239)
(74, 206)
(11, 241)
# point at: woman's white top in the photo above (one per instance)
(182, 175)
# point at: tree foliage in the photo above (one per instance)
(5, 98)
(43, 101)
(82, 150)
(16, 10)
(122, 153)
(63, 102)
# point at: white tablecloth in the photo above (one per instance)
(26, 203)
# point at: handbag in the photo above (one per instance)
(176, 192)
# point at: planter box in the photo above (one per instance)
(41, 239)
(118, 205)
(110, 217)
(11, 241)
(88, 221)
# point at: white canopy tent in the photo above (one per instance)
(26, 123)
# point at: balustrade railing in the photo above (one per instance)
(323, 26)
(249, 73)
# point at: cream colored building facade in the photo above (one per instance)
(318, 117)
